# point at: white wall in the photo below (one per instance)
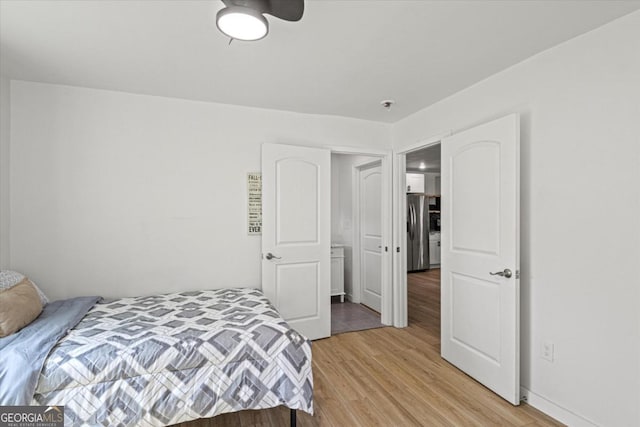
(342, 209)
(5, 133)
(580, 112)
(121, 194)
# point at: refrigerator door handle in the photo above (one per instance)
(413, 222)
(409, 221)
(421, 237)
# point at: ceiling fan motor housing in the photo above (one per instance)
(289, 10)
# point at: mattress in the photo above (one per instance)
(165, 359)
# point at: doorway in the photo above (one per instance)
(479, 249)
(297, 233)
(357, 242)
(422, 173)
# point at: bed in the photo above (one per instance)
(165, 359)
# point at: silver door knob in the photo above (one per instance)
(506, 273)
(271, 256)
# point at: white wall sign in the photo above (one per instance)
(254, 203)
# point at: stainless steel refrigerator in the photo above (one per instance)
(417, 232)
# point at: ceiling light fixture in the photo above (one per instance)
(422, 166)
(244, 19)
(242, 23)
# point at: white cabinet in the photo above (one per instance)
(337, 272)
(428, 183)
(434, 249)
(415, 183)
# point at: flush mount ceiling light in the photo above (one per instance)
(244, 19)
(422, 166)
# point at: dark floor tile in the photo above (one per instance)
(348, 317)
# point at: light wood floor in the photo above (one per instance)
(393, 377)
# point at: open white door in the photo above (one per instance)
(370, 189)
(480, 254)
(296, 235)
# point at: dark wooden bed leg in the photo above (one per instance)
(293, 417)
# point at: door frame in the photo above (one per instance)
(400, 302)
(356, 170)
(386, 158)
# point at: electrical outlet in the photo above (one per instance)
(547, 351)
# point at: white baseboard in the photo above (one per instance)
(561, 414)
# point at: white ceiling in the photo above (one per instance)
(343, 58)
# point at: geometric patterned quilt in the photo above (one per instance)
(165, 359)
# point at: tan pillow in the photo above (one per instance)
(19, 306)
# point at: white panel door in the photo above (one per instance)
(370, 182)
(480, 254)
(296, 235)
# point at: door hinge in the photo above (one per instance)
(517, 274)
(386, 249)
(398, 249)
